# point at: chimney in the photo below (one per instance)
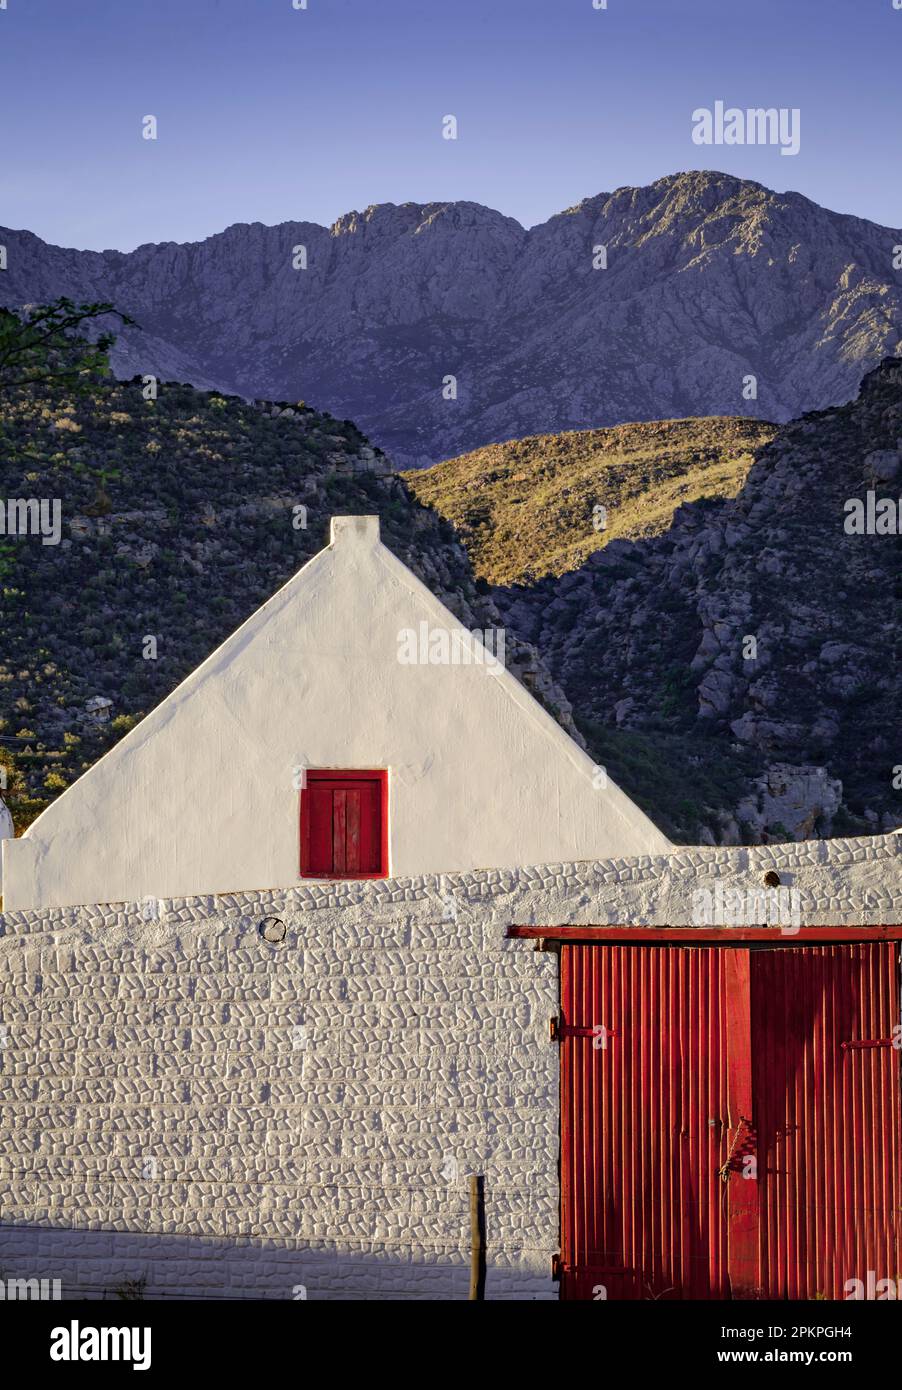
(356, 530)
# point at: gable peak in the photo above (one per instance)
(354, 530)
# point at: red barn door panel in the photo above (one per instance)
(830, 1128)
(730, 1120)
(643, 1123)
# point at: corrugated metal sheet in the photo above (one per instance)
(643, 1131)
(830, 1127)
(681, 1064)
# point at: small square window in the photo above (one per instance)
(344, 824)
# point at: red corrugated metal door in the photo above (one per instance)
(719, 1136)
(643, 1127)
(826, 1082)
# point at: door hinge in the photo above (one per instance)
(558, 1029)
(868, 1042)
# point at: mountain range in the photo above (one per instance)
(442, 327)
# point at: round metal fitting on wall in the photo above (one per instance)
(273, 930)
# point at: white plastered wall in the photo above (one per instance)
(201, 797)
(313, 1108)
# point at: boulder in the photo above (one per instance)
(882, 465)
(793, 800)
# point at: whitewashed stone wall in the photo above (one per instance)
(185, 1102)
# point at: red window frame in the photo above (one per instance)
(379, 778)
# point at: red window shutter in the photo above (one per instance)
(320, 824)
(340, 830)
(344, 830)
(369, 833)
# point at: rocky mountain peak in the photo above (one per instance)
(658, 301)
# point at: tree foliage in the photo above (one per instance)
(39, 347)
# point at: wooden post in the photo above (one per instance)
(477, 1237)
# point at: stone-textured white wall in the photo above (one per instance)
(312, 1108)
(163, 1116)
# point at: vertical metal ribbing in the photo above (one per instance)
(867, 1068)
(568, 1159)
(771, 1140)
(641, 1195)
(684, 1081)
(893, 1123)
(669, 1099)
(826, 1249)
(829, 1127)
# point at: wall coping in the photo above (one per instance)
(576, 888)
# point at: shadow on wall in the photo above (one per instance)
(123, 1265)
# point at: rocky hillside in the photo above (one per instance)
(180, 516)
(757, 630)
(543, 505)
(738, 673)
(708, 280)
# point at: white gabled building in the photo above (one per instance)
(257, 1036)
(203, 796)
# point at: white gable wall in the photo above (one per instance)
(201, 798)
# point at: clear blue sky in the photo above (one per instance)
(267, 113)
